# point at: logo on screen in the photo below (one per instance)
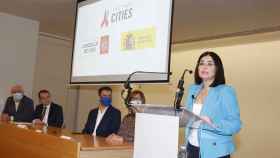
(104, 44)
(105, 20)
(138, 39)
(129, 42)
(90, 47)
(121, 14)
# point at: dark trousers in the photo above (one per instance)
(193, 152)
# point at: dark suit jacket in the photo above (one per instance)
(55, 118)
(109, 124)
(25, 109)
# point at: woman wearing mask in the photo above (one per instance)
(126, 131)
(216, 103)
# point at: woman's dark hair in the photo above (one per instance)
(135, 92)
(104, 89)
(219, 75)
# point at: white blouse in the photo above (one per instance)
(193, 137)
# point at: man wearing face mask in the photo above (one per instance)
(18, 107)
(105, 119)
(48, 113)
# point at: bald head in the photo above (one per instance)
(17, 89)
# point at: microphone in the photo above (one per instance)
(180, 90)
(127, 86)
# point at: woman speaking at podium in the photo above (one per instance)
(216, 103)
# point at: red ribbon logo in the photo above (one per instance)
(105, 21)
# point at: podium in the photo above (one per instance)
(156, 136)
(157, 130)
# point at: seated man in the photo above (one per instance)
(126, 132)
(48, 113)
(18, 107)
(105, 119)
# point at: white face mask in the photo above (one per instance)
(136, 102)
(17, 96)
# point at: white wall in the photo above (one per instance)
(18, 50)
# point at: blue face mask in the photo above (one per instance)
(106, 101)
(17, 96)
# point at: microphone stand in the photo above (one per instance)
(180, 91)
(128, 88)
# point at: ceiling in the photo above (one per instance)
(192, 20)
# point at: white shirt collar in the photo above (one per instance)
(99, 118)
(104, 110)
(46, 117)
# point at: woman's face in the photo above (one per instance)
(207, 68)
(136, 99)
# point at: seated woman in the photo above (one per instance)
(126, 131)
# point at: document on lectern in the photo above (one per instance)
(156, 136)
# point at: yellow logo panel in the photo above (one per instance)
(138, 39)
